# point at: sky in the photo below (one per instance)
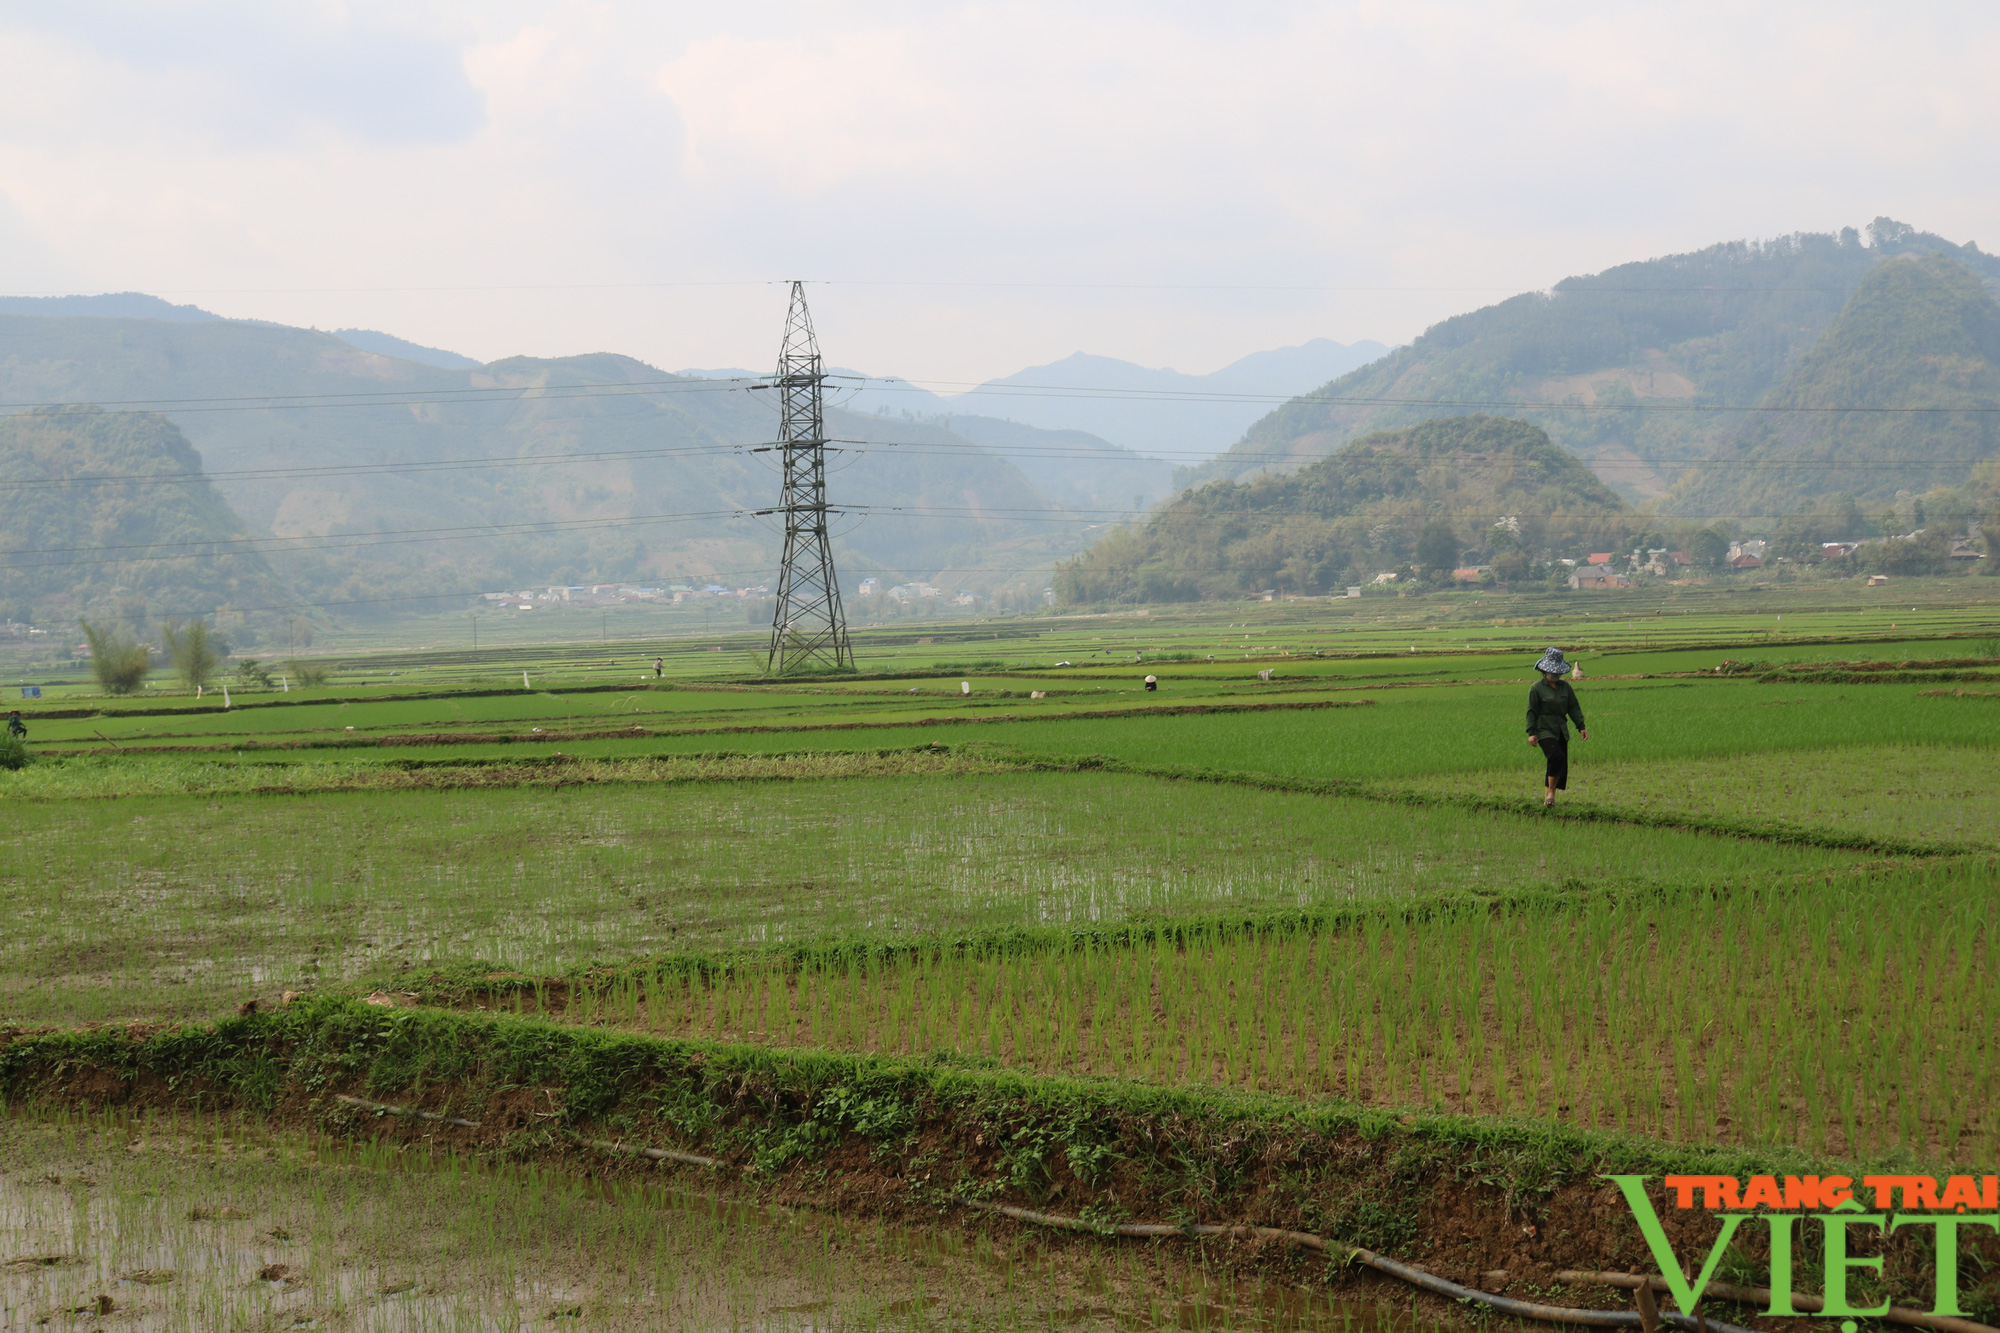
(971, 187)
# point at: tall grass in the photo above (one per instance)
(1857, 1017)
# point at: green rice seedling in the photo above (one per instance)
(1593, 1016)
(165, 907)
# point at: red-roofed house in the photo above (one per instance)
(1603, 559)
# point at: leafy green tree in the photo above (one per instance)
(1437, 548)
(119, 661)
(193, 652)
(1709, 549)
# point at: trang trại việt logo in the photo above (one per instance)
(1902, 1201)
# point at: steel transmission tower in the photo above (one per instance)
(807, 628)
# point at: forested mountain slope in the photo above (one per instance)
(78, 537)
(1413, 501)
(1639, 370)
(1915, 353)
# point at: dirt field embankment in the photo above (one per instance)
(1482, 1202)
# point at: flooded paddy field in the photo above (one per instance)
(185, 1223)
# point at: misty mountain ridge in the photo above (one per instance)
(1917, 349)
(1648, 367)
(665, 466)
(138, 305)
(1146, 409)
(388, 344)
(109, 305)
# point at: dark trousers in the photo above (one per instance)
(1555, 749)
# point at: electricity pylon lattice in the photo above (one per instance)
(807, 629)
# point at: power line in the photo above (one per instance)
(675, 384)
(948, 284)
(931, 449)
(1357, 400)
(344, 541)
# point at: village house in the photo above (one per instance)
(1597, 578)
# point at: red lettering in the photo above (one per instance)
(1802, 1192)
(1960, 1193)
(1920, 1192)
(1883, 1186)
(1762, 1192)
(1834, 1191)
(1719, 1192)
(1684, 1188)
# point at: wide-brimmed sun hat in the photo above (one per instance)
(1552, 662)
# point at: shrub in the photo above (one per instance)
(250, 674)
(13, 752)
(308, 674)
(193, 651)
(118, 661)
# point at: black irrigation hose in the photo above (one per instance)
(607, 1145)
(657, 1154)
(383, 1108)
(1551, 1314)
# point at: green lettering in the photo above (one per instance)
(1634, 1190)
(1947, 1251)
(1781, 1262)
(1834, 1227)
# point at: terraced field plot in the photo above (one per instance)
(157, 906)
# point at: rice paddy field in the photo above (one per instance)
(1309, 875)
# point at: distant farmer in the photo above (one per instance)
(15, 726)
(1551, 703)
(1152, 682)
(659, 665)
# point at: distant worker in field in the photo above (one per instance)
(659, 665)
(15, 726)
(1551, 704)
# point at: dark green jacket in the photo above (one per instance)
(1548, 705)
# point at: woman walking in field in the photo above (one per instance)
(1551, 703)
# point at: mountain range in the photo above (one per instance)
(395, 481)
(1743, 380)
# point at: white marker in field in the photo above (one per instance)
(965, 687)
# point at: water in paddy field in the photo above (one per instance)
(162, 1223)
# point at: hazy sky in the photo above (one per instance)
(983, 186)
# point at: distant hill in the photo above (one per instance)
(1427, 497)
(114, 305)
(153, 545)
(388, 344)
(1072, 467)
(1918, 333)
(1633, 369)
(643, 468)
(1159, 411)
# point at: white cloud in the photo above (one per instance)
(579, 154)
